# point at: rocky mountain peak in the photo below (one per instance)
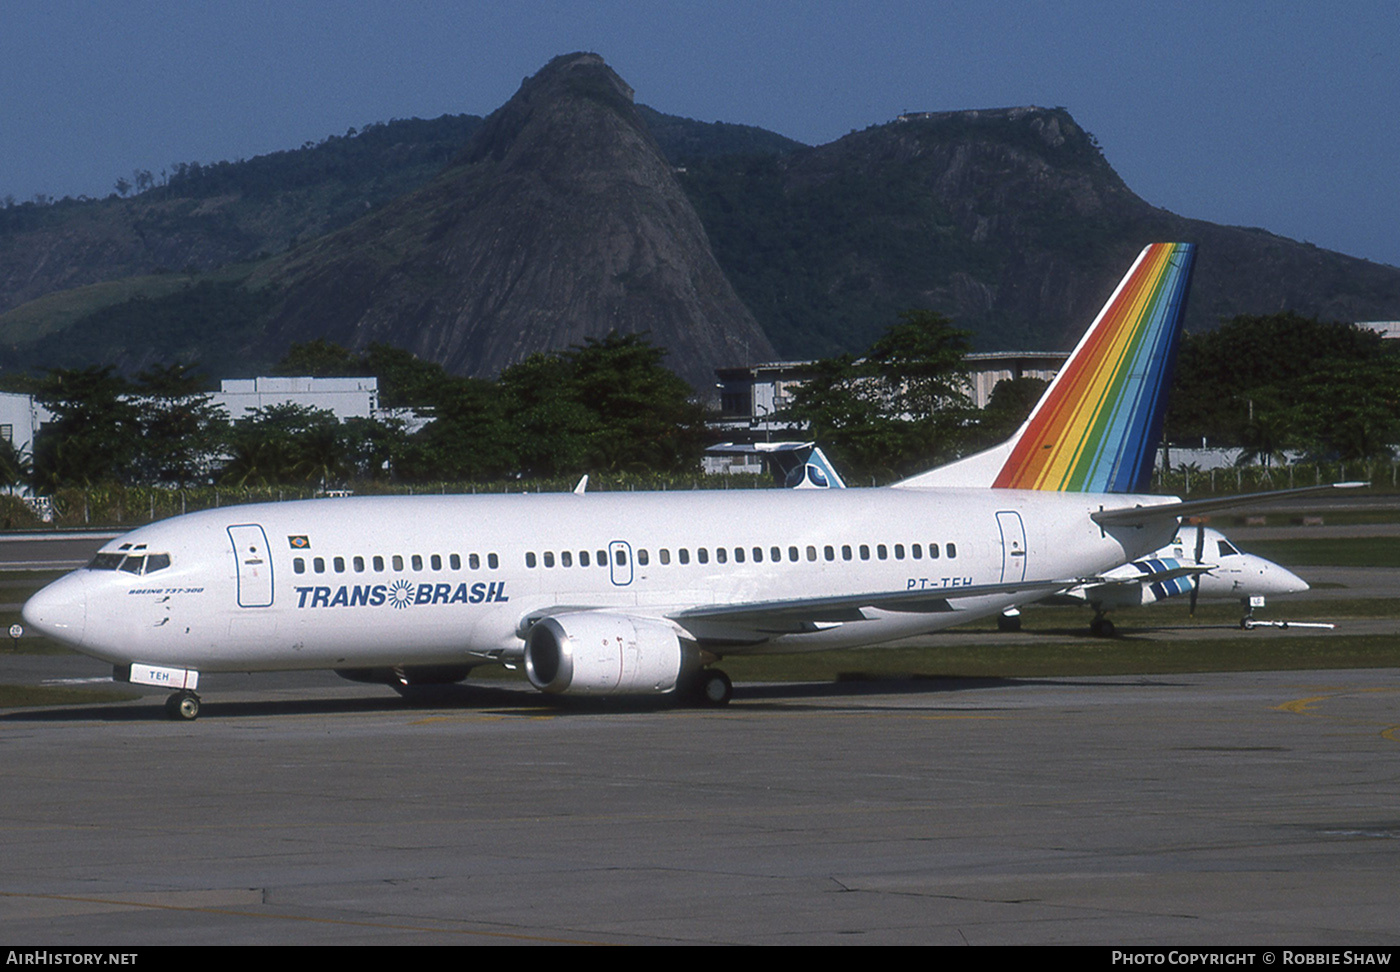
(561, 220)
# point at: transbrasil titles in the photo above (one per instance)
(400, 594)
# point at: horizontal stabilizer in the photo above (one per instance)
(1143, 515)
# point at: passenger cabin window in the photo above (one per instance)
(664, 554)
(339, 565)
(529, 559)
(952, 549)
(455, 561)
(642, 558)
(359, 563)
(379, 564)
(298, 565)
(492, 561)
(566, 559)
(583, 558)
(398, 561)
(318, 564)
(721, 555)
(417, 561)
(549, 558)
(436, 561)
(702, 555)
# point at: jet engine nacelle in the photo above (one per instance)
(603, 654)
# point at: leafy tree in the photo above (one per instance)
(468, 438)
(15, 467)
(1282, 381)
(900, 408)
(1010, 405)
(285, 444)
(95, 433)
(553, 430)
(643, 416)
(1350, 409)
(319, 359)
(405, 380)
(372, 448)
(182, 430)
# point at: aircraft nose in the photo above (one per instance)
(59, 610)
(1274, 579)
(1287, 582)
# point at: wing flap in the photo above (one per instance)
(804, 614)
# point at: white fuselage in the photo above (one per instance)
(344, 583)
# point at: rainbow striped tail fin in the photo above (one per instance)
(1097, 427)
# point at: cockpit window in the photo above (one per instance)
(131, 564)
(1226, 550)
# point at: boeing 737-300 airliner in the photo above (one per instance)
(633, 593)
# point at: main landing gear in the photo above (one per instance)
(182, 705)
(1101, 627)
(713, 688)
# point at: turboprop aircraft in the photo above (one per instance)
(641, 593)
(1199, 562)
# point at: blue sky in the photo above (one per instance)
(1279, 115)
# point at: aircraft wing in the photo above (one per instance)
(1152, 573)
(807, 614)
(1141, 582)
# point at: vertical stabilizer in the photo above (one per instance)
(1096, 428)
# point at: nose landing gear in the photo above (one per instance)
(183, 706)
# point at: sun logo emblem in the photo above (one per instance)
(401, 594)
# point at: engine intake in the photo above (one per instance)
(603, 654)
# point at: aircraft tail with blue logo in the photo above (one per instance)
(1096, 428)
